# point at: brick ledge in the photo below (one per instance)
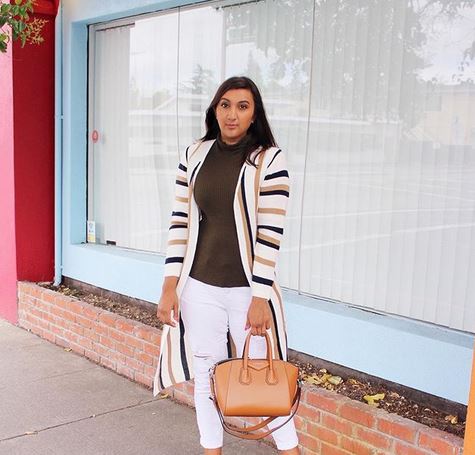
(327, 423)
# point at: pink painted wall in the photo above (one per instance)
(8, 309)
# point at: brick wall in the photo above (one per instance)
(327, 423)
(128, 347)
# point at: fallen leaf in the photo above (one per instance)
(356, 383)
(372, 400)
(31, 432)
(163, 395)
(452, 419)
(312, 379)
(68, 349)
(335, 380)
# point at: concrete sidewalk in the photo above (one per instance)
(56, 402)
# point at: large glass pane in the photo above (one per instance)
(200, 68)
(134, 158)
(389, 212)
(108, 153)
(373, 104)
(271, 41)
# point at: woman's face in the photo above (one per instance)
(235, 113)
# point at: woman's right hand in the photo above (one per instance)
(168, 308)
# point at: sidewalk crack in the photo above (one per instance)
(93, 416)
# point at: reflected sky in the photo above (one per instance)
(443, 44)
(447, 40)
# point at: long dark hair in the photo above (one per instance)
(260, 133)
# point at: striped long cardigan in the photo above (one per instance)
(260, 203)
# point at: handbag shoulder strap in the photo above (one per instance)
(246, 432)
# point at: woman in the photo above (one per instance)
(227, 222)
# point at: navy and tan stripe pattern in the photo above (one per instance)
(271, 209)
(259, 210)
(178, 231)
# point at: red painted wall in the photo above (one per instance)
(33, 117)
(27, 163)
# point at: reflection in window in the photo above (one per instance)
(373, 104)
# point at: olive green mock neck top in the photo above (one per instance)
(217, 260)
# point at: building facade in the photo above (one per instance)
(373, 104)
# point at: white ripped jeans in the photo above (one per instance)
(207, 312)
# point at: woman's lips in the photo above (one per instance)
(231, 126)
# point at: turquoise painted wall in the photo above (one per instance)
(423, 356)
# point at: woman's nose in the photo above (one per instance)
(231, 113)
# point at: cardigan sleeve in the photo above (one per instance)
(271, 210)
(178, 231)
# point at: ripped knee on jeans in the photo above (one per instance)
(201, 355)
(203, 361)
(210, 355)
(205, 357)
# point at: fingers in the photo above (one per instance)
(258, 330)
(166, 317)
(167, 320)
(258, 318)
(170, 322)
(168, 306)
(176, 310)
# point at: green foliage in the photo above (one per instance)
(15, 24)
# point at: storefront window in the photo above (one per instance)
(373, 104)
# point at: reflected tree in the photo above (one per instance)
(353, 41)
(201, 82)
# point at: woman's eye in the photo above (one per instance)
(243, 106)
(224, 104)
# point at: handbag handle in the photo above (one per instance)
(245, 376)
(245, 433)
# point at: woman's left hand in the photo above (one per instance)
(258, 316)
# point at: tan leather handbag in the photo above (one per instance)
(254, 388)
